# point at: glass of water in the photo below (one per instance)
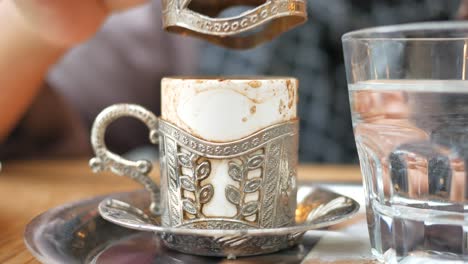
(408, 92)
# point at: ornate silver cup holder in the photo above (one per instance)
(320, 208)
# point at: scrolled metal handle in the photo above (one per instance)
(107, 160)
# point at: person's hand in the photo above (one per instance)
(34, 34)
(66, 23)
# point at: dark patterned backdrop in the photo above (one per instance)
(313, 53)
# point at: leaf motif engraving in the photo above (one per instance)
(185, 160)
(250, 208)
(187, 183)
(255, 162)
(206, 193)
(232, 194)
(203, 170)
(171, 159)
(235, 171)
(173, 183)
(189, 206)
(233, 241)
(253, 185)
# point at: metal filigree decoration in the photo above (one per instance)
(267, 137)
(258, 173)
(273, 151)
(262, 172)
(248, 245)
(259, 176)
(264, 21)
(107, 160)
(192, 183)
(239, 172)
(287, 189)
(316, 209)
(173, 213)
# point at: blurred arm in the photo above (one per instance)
(24, 61)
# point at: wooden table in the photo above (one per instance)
(30, 188)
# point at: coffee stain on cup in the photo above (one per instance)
(253, 109)
(281, 107)
(291, 93)
(255, 84)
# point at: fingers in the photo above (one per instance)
(122, 5)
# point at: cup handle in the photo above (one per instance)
(107, 160)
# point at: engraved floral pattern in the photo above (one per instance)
(259, 167)
(230, 245)
(192, 183)
(239, 170)
(232, 149)
(177, 13)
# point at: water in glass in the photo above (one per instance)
(412, 138)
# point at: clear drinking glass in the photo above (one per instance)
(409, 103)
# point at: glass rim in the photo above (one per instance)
(380, 31)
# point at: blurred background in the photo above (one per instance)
(126, 59)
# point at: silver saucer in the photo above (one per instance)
(317, 209)
(76, 233)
